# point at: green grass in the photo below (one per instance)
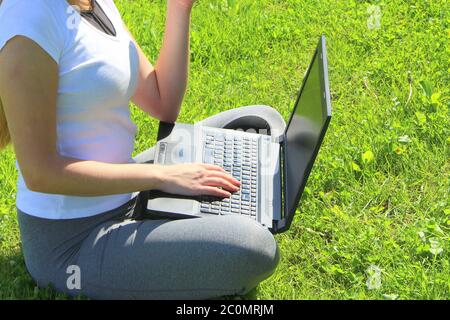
(378, 195)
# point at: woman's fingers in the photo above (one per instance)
(220, 182)
(226, 176)
(202, 179)
(221, 172)
(212, 167)
(215, 192)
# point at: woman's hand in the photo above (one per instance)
(198, 179)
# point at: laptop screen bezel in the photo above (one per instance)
(321, 54)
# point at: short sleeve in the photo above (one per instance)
(35, 20)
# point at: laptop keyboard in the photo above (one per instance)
(239, 157)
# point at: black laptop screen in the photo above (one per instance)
(303, 135)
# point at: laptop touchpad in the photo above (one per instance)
(171, 204)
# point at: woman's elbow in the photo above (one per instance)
(39, 182)
(36, 185)
(168, 118)
(164, 113)
(163, 109)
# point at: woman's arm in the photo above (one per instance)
(161, 89)
(28, 91)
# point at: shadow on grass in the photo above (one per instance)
(17, 283)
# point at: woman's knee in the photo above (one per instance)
(264, 111)
(258, 251)
(264, 250)
(260, 117)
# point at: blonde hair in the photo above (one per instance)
(5, 138)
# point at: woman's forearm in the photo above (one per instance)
(173, 62)
(91, 178)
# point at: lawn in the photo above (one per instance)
(374, 220)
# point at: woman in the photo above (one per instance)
(66, 80)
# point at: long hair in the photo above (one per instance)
(5, 138)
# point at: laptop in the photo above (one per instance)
(273, 170)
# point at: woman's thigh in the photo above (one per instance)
(175, 259)
(260, 118)
(147, 156)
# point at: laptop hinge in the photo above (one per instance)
(279, 226)
(280, 139)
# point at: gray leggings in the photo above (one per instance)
(120, 254)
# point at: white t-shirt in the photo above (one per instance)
(97, 78)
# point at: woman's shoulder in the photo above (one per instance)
(23, 11)
(43, 21)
